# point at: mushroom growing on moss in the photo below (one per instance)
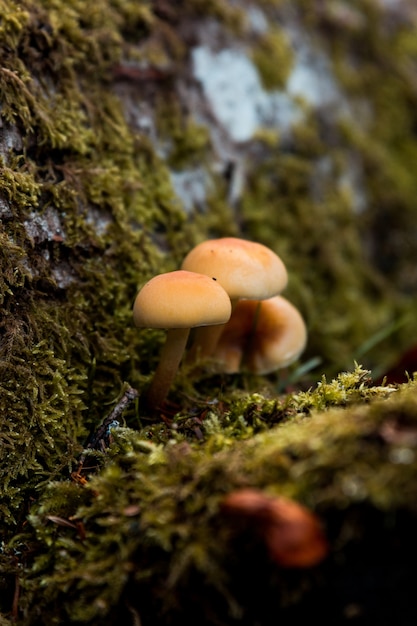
(245, 269)
(177, 301)
(261, 337)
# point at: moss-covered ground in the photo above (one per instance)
(88, 214)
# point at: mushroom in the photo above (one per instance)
(177, 301)
(261, 337)
(292, 534)
(244, 269)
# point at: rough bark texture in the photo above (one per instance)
(130, 131)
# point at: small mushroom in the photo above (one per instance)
(292, 534)
(245, 269)
(177, 301)
(261, 337)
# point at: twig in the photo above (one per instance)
(101, 438)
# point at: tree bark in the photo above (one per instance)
(130, 132)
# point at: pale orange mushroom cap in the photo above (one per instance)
(181, 299)
(177, 301)
(261, 336)
(245, 269)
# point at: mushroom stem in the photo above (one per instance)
(171, 355)
(248, 345)
(204, 343)
(206, 339)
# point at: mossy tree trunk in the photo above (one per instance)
(129, 132)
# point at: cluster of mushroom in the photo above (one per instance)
(228, 290)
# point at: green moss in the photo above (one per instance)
(362, 48)
(273, 58)
(186, 142)
(153, 512)
(84, 161)
(74, 163)
(225, 13)
(14, 21)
